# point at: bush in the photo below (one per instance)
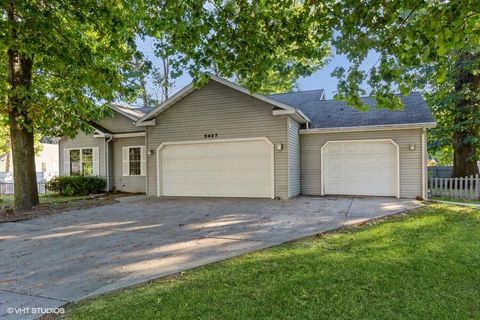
(76, 185)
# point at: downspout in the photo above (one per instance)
(107, 161)
(147, 153)
(424, 164)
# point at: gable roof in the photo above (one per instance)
(129, 112)
(299, 97)
(337, 114)
(280, 106)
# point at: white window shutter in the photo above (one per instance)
(126, 161)
(143, 165)
(96, 161)
(66, 162)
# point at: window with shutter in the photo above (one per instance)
(134, 161)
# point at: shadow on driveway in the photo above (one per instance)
(52, 260)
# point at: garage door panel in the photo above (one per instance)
(217, 169)
(360, 168)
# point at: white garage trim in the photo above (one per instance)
(397, 148)
(164, 144)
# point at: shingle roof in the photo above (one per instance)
(295, 99)
(128, 111)
(333, 113)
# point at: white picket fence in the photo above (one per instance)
(7, 188)
(462, 188)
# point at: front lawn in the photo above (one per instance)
(54, 204)
(425, 265)
(8, 200)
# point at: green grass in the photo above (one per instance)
(456, 200)
(421, 266)
(8, 200)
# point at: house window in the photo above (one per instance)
(135, 161)
(87, 162)
(75, 162)
(81, 162)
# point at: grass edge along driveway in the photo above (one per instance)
(425, 265)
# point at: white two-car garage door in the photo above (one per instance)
(216, 168)
(366, 167)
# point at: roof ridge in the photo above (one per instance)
(302, 91)
(372, 97)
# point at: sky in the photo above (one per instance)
(319, 80)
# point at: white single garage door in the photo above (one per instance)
(222, 168)
(360, 168)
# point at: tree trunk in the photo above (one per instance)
(21, 132)
(466, 110)
(24, 173)
(166, 79)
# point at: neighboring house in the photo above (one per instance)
(46, 164)
(222, 141)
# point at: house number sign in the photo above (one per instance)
(210, 135)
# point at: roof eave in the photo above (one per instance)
(297, 114)
(420, 125)
(117, 109)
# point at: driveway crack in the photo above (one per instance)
(33, 295)
(348, 211)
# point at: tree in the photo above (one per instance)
(63, 61)
(137, 76)
(443, 100)
(420, 43)
(59, 64)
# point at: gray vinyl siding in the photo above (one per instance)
(410, 160)
(119, 124)
(83, 141)
(127, 183)
(109, 155)
(293, 158)
(216, 108)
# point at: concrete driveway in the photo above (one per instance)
(49, 261)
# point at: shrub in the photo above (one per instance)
(76, 185)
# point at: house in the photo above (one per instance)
(46, 163)
(222, 141)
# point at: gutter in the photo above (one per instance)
(422, 125)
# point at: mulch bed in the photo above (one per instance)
(46, 209)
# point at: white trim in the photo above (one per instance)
(142, 156)
(81, 159)
(107, 167)
(164, 144)
(322, 96)
(105, 154)
(296, 114)
(289, 191)
(370, 128)
(322, 169)
(129, 135)
(424, 164)
(190, 88)
(146, 123)
(100, 134)
(119, 110)
(166, 104)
